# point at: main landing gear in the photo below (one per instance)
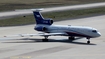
(45, 39)
(71, 38)
(88, 42)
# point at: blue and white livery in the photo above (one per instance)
(45, 25)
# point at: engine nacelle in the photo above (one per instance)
(40, 28)
(47, 22)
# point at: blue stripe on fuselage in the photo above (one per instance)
(77, 34)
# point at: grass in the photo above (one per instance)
(24, 4)
(54, 15)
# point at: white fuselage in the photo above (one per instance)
(79, 31)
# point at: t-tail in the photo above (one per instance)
(40, 20)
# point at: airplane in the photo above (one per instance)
(46, 26)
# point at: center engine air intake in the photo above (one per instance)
(47, 22)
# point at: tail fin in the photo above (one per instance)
(39, 18)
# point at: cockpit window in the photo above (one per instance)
(94, 31)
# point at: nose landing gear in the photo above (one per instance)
(88, 42)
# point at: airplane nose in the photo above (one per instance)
(98, 34)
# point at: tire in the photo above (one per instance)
(44, 40)
(88, 42)
(71, 38)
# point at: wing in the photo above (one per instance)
(40, 34)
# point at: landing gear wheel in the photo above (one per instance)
(45, 39)
(88, 42)
(71, 38)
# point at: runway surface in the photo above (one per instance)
(58, 47)
(16, 13)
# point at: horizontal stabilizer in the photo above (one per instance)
(40, 9)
